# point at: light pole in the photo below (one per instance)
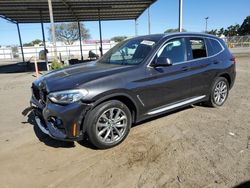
(206, 24)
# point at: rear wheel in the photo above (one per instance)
(109, 124)
(219, 92)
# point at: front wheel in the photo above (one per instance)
(219, 92)
(109, 124)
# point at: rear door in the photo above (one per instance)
(199, 66)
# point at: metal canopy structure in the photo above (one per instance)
(30, 11)
(44, 11)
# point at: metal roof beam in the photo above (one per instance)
(23, 2)
(72, 20)
(83, 14)
(8, 19)
(70, 9)
(27, 11)
(73, 7)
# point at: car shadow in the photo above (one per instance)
(47, 140)
(245, 184)
(86, 143)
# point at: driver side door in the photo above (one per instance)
(168, 84)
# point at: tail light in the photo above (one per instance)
(233, 59)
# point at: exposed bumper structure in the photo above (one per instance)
(51, 130)
(61, 122)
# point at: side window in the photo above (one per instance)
(174, 50)
(215, 46)
(198, 48)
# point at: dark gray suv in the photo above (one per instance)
(139, 78)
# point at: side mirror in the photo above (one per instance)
(162, 61)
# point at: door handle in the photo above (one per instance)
(216, 62)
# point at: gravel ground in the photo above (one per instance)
(194, 147)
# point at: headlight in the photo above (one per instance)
(67, 96)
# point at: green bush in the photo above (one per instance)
(56, 65)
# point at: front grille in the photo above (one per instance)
(35, 92)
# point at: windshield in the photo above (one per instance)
(129, 52)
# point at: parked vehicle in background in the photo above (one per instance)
(137, 79)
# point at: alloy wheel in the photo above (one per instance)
(111, 125)
(220, 92)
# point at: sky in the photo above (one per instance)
(163, 13)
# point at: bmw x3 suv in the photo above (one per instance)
(139, 78)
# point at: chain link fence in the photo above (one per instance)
(73, 51)
(238, 41)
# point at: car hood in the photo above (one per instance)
(74, 76)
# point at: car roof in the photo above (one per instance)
(157, 37)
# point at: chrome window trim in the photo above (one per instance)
(188, 61)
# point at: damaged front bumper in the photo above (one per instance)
(61, 122)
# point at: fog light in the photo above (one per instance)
(56, 122)
(59, 122)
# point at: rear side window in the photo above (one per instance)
(198, 48)
(215, 46)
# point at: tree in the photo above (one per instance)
(32, 43)
(221, 31)
(174, 30)
(36, 41)
(118, 38)
(232, 30)
(245, 27)
(68, 32)
(213, 32)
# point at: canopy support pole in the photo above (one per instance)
(180, 15)
(136, 29)
(53, 30)
(80, 39)
(100, 31)
(20, 41)
(44, 42)
(149, 22)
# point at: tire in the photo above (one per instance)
(218, 93)
(108, 124)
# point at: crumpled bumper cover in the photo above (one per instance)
(69, 115)
(50, 129)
